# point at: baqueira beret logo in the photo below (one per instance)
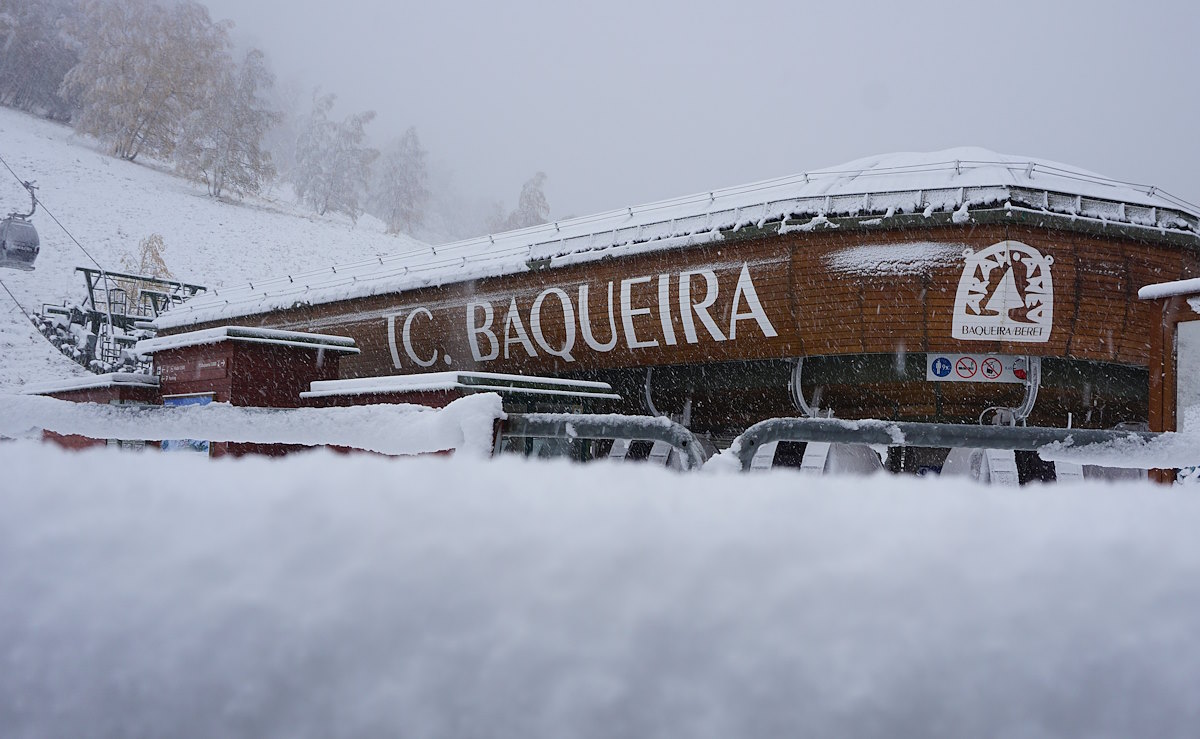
(1005, 294)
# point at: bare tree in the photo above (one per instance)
(532, 208)
(333, 162)
(35, 56)
(291, 100)
(143, 69)
(222, 144)
(402, 192)
(149, 262)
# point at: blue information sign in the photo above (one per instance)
(186, 445)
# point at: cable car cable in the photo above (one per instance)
(14, 299)
(103, 272)
(42, 203)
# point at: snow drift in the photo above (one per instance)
(357, 596)
(466, 423)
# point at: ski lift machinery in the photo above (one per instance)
(19, 244)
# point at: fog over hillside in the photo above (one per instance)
(627, 102)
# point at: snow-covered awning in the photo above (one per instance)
(92, 382)
(875, 190)
(469, 382)
(1172, 289)
(301, 339)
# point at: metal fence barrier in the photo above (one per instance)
(587, 426)
(904, 433)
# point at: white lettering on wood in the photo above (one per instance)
(628, 312)
(664, 309)
(535, 323)
(474, 330)
(391, 331)
(687, 307)
(513, 320)
(745, 291)
(407, 338)
(585, 322)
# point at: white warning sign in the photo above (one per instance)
(976, 368)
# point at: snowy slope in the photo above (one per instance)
(110, 205)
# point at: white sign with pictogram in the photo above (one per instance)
(976, 368)
(1005, 294)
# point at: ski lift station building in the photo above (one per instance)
(948, 287)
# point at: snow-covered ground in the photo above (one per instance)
(327, 595)
(111, 205)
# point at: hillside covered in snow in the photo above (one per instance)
(110, 205)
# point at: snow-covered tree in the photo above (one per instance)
(222, 143)
(291, 100)
(333, 162)
(143, 70)
(532, 208)
(401, 192)
(149, 262)
(35, 55)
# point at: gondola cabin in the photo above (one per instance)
(19, 244)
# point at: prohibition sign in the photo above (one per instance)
(992, 368)
(965, 367)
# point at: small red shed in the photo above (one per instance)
(114, 388)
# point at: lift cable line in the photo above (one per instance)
(42, 203)
(103, 272)
(18, 302)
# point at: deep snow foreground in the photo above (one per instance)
(327, 595)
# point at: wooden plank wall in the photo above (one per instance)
(814, 309)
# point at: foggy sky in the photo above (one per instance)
(626, 102)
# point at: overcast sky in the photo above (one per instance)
(626, 102)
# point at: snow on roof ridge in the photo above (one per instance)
(251, 334)
(908, 182)
(110, 379)
(455, 380)
(1171, 289)
(403, 381)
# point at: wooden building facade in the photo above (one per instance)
(710, 328)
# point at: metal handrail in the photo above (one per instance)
(907, 433)
(606, 426)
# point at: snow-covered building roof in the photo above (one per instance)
(1172, 289)
(471, 382)
(343, 344)
(91, 382)
(875, 191)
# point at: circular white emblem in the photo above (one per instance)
(1005, 294)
